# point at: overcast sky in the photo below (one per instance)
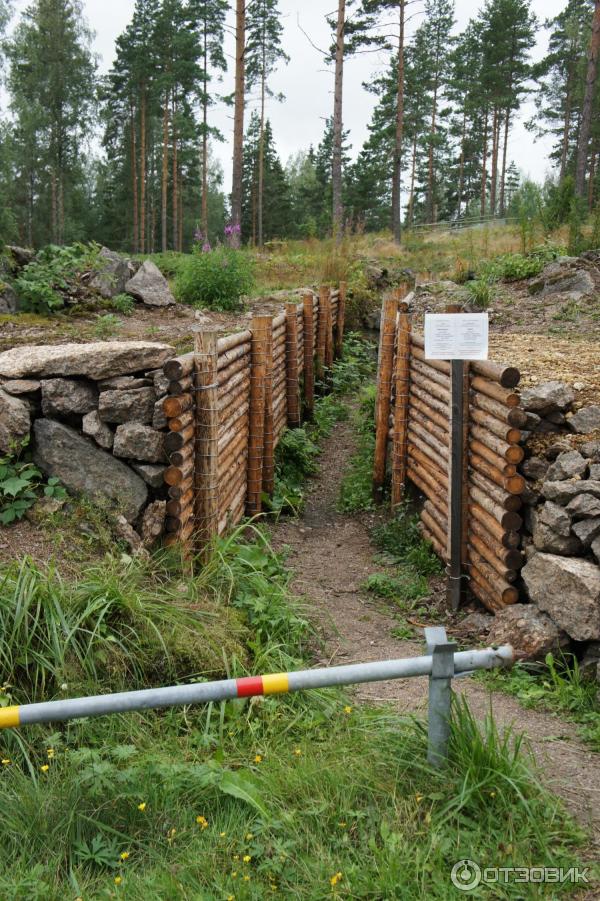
(307, 83)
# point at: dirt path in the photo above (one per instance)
(331, 556)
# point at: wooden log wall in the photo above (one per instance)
(414, 416)
(230, 402)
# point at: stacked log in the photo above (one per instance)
(279, 379)
(292, 368)
(262, 327)
(178, 409)
(387, 345)
(233, 404)
(340, 319)
(309, 355)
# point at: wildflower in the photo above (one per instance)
(298, 752)
(236, 856)
(142, 806)
(118, 880)
(50, 752)
(234, 875)
(222, 834)
(258, 758)
(171, 835)
(230, 897)
(246, 879)
(492, 794)
(247, 858)
(335, 879)
(125, 855)
(202, 822)
(348, 710)
(342, 825)
(44, 768)
(249, 837)
(419, 798)
(6, 762)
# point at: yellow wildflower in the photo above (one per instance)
(249, 837)
(247, 858)
(202, 822)
(298, 752)
(342, 825)
(50, 753)
(230, 897)
(44, 768)
(222, 834)
(492, 794)
(246, 879)
(6, 762)
(118, 880)
(419, 798)
(347, 710)
(171, 835)
(236, 856)
(234, 875)
(335, 879)
(125, 855)
(142, 806)
(258, 758)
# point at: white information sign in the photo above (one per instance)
(456, 336)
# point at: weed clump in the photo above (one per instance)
(217, 278)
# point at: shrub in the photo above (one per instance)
(482, 291)
(123, 303)
(217, 279)
(45, 284)
(20, 483)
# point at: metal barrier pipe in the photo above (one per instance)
(280, 683)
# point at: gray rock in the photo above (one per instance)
(83, 467)
(533, 421)
(372, 320)
(547, 398)
(151, 474)
(15, 421)
(562, 281)
(153, 523)
(17, 387)
(564, 492)
(22, 256)
(476, 623)
(556, 518)
(123, 382)
(556, 417)
(531, 633)
(596, 549)
(556, 449)
(567, 466)
(590, 663)
(586, 420)
(67, 397)
(159, 420)
(151, 287)
(135, 441)
(549, 542)
(93, 427)
(113, 274)
(595, 471)
(531, 498)
(591, 450)
(127, 406)
(587, 530)
(161, 383)
(129, 536)
(584, 506)
(101, 360)
(534, 469)
(568, 589)
(8, 299)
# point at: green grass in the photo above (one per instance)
(559, 686)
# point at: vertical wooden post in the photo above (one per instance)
(309, 356)
(292, 367)
(258, 372)
(456, 480)
(268, 485)
(384, 393)
(329, 338)
(206, 471)
(401, 409)
(341, 320)
(321, 335)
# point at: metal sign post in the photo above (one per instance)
(456, 337)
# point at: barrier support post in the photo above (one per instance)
(440, 695)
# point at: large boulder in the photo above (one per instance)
(68, 397)
(584, 506)
(83, 467)
(567, 466)
(556, 518)
(113, 274)
(135, 441)
(15, 421)
(531, 633)
(101, 360)
(127, 406)
(586, 420)
(545, 539)
(560, 280)
(568, 589)
(564, 492)
(21, 256)
(547, 398)
(8, 299)
(150, 287)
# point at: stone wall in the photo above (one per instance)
(94, 416)
(562, 523)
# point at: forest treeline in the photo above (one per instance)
(127, 159)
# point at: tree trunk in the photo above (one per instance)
(165, 176)
(588, 103)
(180, 223)
(567, 125)
(54, 207)
(175, 175)
(397, 171)
(338, 124)
(204, 212)
(591, 185)
(261, 151)
(461, 171)
(504, 161)
(143, 170)
(494, 176)
(431, 204)
(484, 164)
(134, 183)
(411, 199)
(238, 127)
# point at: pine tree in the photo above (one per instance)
(588, 103)
(259, 147)
(263, 51)
(238, 124)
